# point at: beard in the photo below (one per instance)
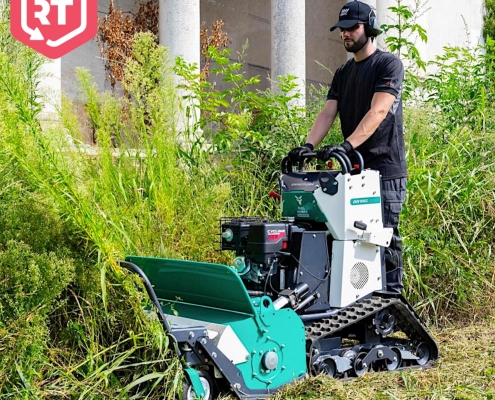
(356, 45)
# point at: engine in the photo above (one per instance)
(282, 260)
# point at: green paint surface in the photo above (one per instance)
(215, 293)
(301, 205)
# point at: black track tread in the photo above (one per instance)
(407, 321)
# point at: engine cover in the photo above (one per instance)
(266, 240)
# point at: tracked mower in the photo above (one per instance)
(305, 295)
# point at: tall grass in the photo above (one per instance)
(449, 219)
(101, 202)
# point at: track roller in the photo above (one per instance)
(423, 353)
(360, 366)
(392, 365)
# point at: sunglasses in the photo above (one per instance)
(351, 29)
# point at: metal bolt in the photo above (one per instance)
(365, 365)
(269, 382)
(324, 189)
(379, 353)
(191, 335)
(236, 386)
(350, 187)
(214, 355)
(283, 367)
(203, 341)
(255, 374)
(268, 338)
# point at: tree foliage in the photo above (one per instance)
(489, 20)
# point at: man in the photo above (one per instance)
(366, 94)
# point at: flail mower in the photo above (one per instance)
(305, 295)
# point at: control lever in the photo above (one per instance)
(360, 225)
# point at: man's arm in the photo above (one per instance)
(323, 123)
(380, 106)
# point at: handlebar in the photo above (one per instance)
(342, 158)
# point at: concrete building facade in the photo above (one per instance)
(283, 36)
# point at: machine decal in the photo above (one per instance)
(275, 235)
(302, 205)
(365, 200)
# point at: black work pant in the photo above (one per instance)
(393, 197)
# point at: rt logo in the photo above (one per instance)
(53, 27)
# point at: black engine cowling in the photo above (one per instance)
(274, 257)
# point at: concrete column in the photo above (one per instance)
(372, 3)
(179, 27)
(179, 30)
(385, 16)
(288, 29)
(50, 90)
(422, 20)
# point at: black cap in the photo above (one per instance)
(351, 14)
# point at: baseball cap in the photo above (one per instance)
(351, 14)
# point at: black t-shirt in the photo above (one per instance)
(353, 86)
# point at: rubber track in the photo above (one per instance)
(407, 321)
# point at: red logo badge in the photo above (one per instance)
(53, 27)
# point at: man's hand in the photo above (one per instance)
(347, 147)
(323, 154)
(297, 154)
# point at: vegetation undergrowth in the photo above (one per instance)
(71, 211)
(71, 320)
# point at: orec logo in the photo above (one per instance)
(53, 27)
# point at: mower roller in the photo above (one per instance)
(305, 295)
